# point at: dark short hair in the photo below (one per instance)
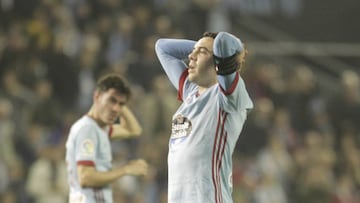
(209, 34)
(116, 81)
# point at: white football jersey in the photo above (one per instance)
(205, 129)
(88, 144)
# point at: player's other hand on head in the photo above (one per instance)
(137, 167)
(226, 45)
(226, 48)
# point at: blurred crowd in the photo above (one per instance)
(298, 145)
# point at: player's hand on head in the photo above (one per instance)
(137, 167)
(226, 48)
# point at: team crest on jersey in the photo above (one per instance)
(181, 128)
(87, 147)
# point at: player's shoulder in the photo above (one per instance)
(83, 126)
(83, 122)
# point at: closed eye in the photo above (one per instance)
(202, 50)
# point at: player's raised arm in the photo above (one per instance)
(171, 54)
(129, 126)
(229, 58)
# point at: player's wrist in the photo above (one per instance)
(125, 170)
(226, 66)
(226, 49)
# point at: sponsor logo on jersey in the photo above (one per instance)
(181, 128)
(87, 147)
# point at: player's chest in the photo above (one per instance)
(104, 149)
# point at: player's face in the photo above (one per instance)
(110, 104)
(201, 64)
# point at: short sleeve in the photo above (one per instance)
(236, 97)
(86, 146)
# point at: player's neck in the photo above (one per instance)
(95, 116)
(203, 88)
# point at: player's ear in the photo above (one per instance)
(96, 95)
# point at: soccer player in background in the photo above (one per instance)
(88, 150)
(206, 126)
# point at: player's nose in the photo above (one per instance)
(192, 55)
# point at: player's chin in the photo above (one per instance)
(192, 77)
(111, 120)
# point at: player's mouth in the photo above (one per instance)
(191, 68)
(113, 117)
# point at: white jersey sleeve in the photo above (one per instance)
(87, 141)
(172, 53)
(234, 97)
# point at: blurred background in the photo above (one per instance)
(300, 143)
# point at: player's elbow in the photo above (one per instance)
(86, 176)
(135, 130)
(159, 44)
(85, 180)
(138, 131)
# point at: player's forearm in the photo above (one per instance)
(171, 54)
(129, 126)
(89, 177)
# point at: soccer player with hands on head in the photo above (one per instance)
(207, 125)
